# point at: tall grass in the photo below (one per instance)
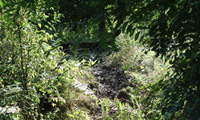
(138, 61)
(144, 69)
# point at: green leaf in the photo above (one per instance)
(124, 26)
(137, 35)
(132, 32)
(1, 4)
(39, 24)
(47, 53)
(142, 38)
(128, 30)
(60, 63)
(119, 22)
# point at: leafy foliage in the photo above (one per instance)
(170, 28)
(173, 32)
(143, 67)
(123, 111)
(41, 73)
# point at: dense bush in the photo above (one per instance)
(138, 61)
(144, 70)
(34, 76)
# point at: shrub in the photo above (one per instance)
(138, 61)
(34, 75)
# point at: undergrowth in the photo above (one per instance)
(144, 69)
(37, 78)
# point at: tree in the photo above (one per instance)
(173, 30)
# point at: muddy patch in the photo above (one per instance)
(111, 80)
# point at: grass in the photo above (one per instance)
(144, 70)
(138, 61)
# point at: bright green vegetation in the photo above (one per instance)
(145, 70)
(155, 42)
